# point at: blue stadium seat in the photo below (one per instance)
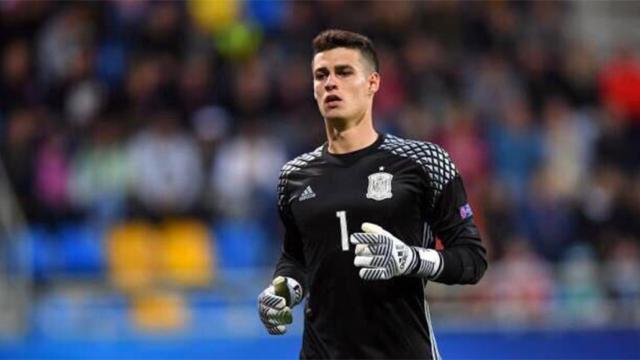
(81, 249)
(45, 256)
(240, 243)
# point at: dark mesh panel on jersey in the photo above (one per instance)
(432, 158)
(291, 166)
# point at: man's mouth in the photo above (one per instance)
(332, 100)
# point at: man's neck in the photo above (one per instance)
(346, 139)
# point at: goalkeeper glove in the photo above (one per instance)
(381, 256)
(275, 303)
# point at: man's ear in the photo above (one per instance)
(374, 82)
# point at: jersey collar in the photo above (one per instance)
(348, 158)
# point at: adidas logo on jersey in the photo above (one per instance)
(307, 194)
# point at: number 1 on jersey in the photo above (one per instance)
(344, 233)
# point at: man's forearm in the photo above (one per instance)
(292, 268)
(463, 257)
(456, 265)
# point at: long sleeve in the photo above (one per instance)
(291, 262)
(463, 257)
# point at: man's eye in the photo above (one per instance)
(320, 76)
(345, 73)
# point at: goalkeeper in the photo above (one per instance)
(361, 214)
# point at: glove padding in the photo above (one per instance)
(274, 312)
(380, 255)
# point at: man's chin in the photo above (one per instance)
(338, 122)
(335, 115)
(335, 118)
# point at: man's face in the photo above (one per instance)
(343, 83)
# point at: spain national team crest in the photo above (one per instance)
(379, 186)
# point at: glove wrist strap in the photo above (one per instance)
(428, 263)
(415, 262)
(295, 291)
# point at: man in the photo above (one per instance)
(360, 214)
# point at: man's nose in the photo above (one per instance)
(330, 83)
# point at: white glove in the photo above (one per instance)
(381, 256)
(275, 310)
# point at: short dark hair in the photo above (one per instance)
(334, 38)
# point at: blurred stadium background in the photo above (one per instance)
(141, 143)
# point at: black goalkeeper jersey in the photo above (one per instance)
(410, 188)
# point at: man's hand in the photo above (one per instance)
(380, 254)
(275, 303)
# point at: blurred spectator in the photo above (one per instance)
(99, 178)
(545, 23)
(162, 31)
(539, 76)
(622, 271)
(416, 120)
(522, 285)
(392, 96)
(52, 172)
(196, 87)
(616, 143)
(425, 62)
(620, 85)
(84, 101)
(491, 86)
(568, 143)
(242, 175)
(211, 125)
(632, 204)
(546, 218)
(17, 87)
(63, 41)
(579, 76)
(516, 147)
(251, 91)
(582, 297)
(466, 144)
(389, 24)
(501, 217)
(165, 167)
(148, 83)
(19, 154)
(294, 85)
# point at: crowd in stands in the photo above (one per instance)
(122, 112)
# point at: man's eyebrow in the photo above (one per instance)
(343, 67)
(337, 68)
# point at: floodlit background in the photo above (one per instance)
(141, 144)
